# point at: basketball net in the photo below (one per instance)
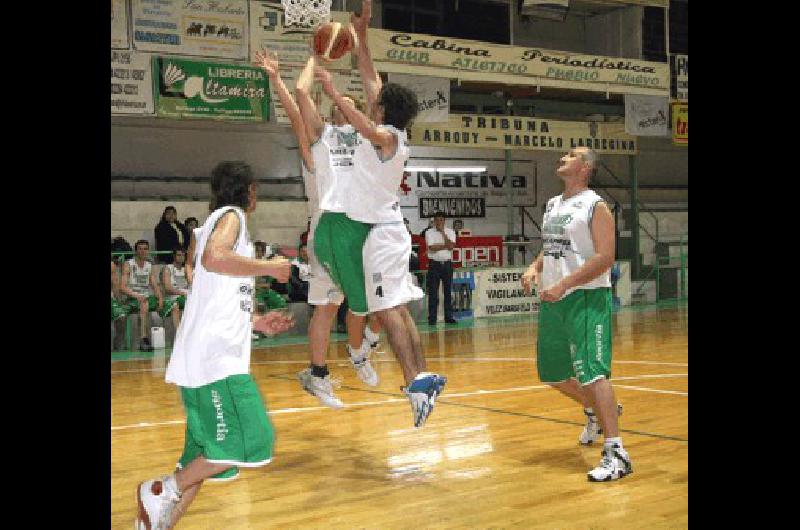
(306, 13)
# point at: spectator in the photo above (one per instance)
(117, 311)
(301, 272)
(264, 294)
(304, 235)
(177, 278)
(139, 283)
(119, 244)
(170, 234)
(440, 242)
(430, 225)
(191, 223)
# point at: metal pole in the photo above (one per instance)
(509, 191)
(636, 265)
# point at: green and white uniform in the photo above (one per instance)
(179, 281)
(336, 240)
(139, 283)
(574, 332)
(226, 418)
(372, 197)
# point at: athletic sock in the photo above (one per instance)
(319, 371)
(370, 335)
(590, 412)
(171, 483)
(613, 441)
(359, 354)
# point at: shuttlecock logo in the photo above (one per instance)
(192, 86)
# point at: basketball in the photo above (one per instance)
(332, 40)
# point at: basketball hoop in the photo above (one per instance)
(306, 13)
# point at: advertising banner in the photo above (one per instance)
(682, 77)
(208, 28)
(119, 25)
(469, 60)
(131, 83)
(499, 292)
(518, 132)
(433, 96)
(470, 251)
(189, 89)
(680, 123)
(646, 115)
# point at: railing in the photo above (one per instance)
(667, 262)
(642, 206)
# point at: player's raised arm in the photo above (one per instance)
(269, 62)
(308, 109)
(369, 76)
(377, 135)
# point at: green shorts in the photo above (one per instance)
(131, 305)
(338, 245)
(171, 302)
(270, 298)
(575, 337)
(117, 311)
(227, 423)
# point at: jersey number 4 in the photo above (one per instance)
(379, 291)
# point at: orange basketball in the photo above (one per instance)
(332, 40)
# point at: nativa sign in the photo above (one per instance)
(187, 89)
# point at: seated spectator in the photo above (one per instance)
(301, 272)
(170, 234)
(265, 294)
(117, 311)
(177, 278)
(118, 246)
(140, 284)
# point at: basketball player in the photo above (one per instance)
(371, 197)
(326, 154)
(140, 284)
(176, 278)
(573, 350)
(226, 422)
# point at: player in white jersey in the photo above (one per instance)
(139, 282)
(573, 350)
(226, 421)
(176, 277)
(326, 153)
(371, 197)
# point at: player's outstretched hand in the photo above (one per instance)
(360, 21)
(268, 61)
(273, 322)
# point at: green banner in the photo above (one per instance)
(187, 89)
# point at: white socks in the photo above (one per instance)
(370, 335)
(613, 441)
(359, 354)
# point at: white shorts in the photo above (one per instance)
(386, 254)
(321, 289)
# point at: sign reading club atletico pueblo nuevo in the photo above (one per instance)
(469, 60)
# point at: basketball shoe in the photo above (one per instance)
(422, 393)
(592, 428)
(614, 465)
(320, 387)
(156, 500)
(363, 367)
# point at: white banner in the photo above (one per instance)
(131, 83)
(441, 179)
(646, 115)
(207, 28)
(682, 77)
(433, 96)
(119, 24)
(499, 292)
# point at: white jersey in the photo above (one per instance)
(178, 276)
(213, 339)
(139, 277)
(567, 239)
(372, 193)
(333, 165)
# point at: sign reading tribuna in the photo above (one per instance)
(194, 89)
(515, 132)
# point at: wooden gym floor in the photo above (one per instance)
(500, 449)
